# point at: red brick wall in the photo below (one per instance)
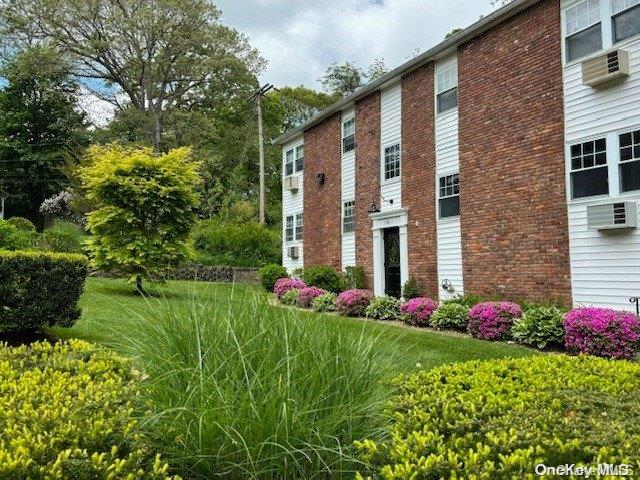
(367, 178)
(418, 174)
(322, 209)
(512, 193)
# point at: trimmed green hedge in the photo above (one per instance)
(39, 289)
(498, 419)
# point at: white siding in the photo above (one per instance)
(292, 203)
(348, 194)
(449, 241)
(605, 266)
(390, 134)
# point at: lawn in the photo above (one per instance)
(110, 309)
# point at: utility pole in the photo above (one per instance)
(257, 97)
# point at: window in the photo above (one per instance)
(349, 217)
(288, 166)
(288, 232)
(626, 19)
(299, 158)
(583, 29)
(299, 226)
(392, 162)
(630, 161)
(449, 203)
(349, 135)
(589, 173)
(447, 89)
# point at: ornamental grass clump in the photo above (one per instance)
(450, 315)
(353, 303)
(383, 308)
(418, 311)
(307, 295)
(492, 320)
(602, 332)
(283, 285)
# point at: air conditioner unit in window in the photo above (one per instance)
(605, 68)
(292, 184)
(612, 216)
(294, 253)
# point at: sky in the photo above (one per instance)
(301, 38)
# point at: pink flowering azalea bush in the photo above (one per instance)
(492, 320)
(418, 311)
(353, 303)
(308, 295)
(283, 285)
(602, 332)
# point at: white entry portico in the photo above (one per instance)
(389, 219)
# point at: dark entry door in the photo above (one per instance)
(392, 262)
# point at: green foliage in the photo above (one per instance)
(63, 236)
(469, 300)
(270, 273)
(325, 303)
(383, 308)
(12, 238)
(411, 289)
(499, 419)
(354, 278)
(65, 412)
(235, 244)
(40, 289)
(145, 208)
(291, 297)
(450, 315)
(535, 304)
(540, 326)
(22, 223)
(321, 276)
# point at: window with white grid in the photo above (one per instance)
(589, 171)
(583, 29)
(447, 89)
(392, 162)
(630, 161)
(299, 158)
(288, 231)
(349, 217)
(299, 226)
(625, 19)
(288, 165)
(449, 196)
(349, 135)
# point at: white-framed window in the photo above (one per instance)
(299, 226)
(392, 162)
(583, 29)
(625, 19)
(299, 158)
(288, 231)
(447, 89)
(348, 135)
(288, 164)
(349, 216)
(449, 196)
(589, 170)
(630, 161)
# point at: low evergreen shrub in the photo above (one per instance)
(383, 308)
(269, 275)
(22, 223)
(540, 326)
(411, 289)
(353, 278)
(492, 320)
(353, 303)
(451, 315)
(325, 303)
(63, 236)
(468, 300)
(418, 311)
(13, 238)
(321, 276)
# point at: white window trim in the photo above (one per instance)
(450, 65)
(293, 235)
(344, 202)
(342, 137)
(452, 218)
(296, 158)
(286, 162)
(397, 179)
(297, 225)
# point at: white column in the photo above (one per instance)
(378, 263)
(404, 256)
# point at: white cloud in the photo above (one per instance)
(99, 112)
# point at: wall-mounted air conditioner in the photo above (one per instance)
(605, 68)
(294, 253)
(292, 184)
(612, 216)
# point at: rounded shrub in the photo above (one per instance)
(353, 303)
(308, 295)
(410, 289)
(63, 236)
(325, 303)
(492, 320)
(269, 275)
(22, 223)
(291, 297)
(418, 311)
(283, 285)
(498, 419)
(603, 332)
(353, 277)
(540, 326)
(12, 238)
(323, 277)
(451, 315)
(383, 308)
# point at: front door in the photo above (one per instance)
(392, 285)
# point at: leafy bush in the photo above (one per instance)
(469, 300)
(451, 315)
(498, 419)
(492, 320)
(323, 277)
(22, 223)
(65, 412)
(63, 236)
(353, 278)
(418, 311)
(250, 244)
(283, 285)
(540, 326)
(411, 289)
(603, 332)
(353, 303)
(12, 238)
(290, 298)
(269, 274)
(383, 308)
(39, 289)
(308, 295)
(325, 303)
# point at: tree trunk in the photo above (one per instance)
(139, 287)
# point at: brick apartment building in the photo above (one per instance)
(505, 160)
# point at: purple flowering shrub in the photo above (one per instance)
(492, 320)
(308, 295)
(283, 285)
(602, 332)
(418, 311)
(353, 303)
